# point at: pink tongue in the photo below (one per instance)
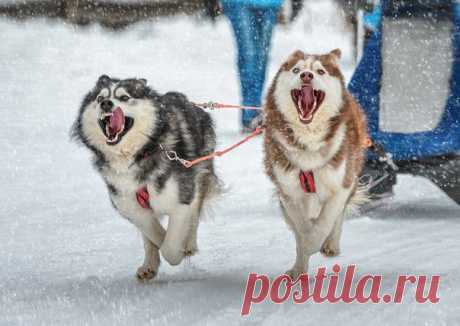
(306, 100)
(116, 122)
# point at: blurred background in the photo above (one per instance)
(116, 14)
(68, 258)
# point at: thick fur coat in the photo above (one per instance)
(324, 137)
(128, 127)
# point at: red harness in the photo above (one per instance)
(306, 178)
(142, 196)
(307, 181)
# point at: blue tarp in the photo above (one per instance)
(365, 86)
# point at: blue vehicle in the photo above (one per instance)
(408, 83)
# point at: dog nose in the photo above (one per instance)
(306, 76)
(106, 105)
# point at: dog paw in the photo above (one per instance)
(330, 250)
(145, 273)
(191, 248)
(294, 273)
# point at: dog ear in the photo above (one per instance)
(103, 80)
(336, 54)
(139, 87)
(293, 58)
(140, 84)
(297, 54)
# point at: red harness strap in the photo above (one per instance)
(142, 196)
(307, 181)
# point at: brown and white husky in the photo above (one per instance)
(315, 132)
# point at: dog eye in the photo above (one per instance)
(320, 72)
(124, 98)
(296, 70)
(99, 99)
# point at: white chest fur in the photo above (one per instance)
(317, 153)
(124, 180)
(124, 196)
(327, 180)
(314, 158)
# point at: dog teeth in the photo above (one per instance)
(105, 115)
(107, 130)
(114, 140)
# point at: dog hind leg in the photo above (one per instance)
(331, 247)
(153, 235)
(207, 183)
(191, 244)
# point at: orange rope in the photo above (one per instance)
(215, 105)
(189, 164)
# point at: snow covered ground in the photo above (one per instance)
(67, 258)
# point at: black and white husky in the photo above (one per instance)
(129, 127)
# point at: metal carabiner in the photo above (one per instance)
(172, 156)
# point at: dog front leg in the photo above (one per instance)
(301, 262)
(173, 247)
(331, 216)
(151, 228)
(149, 268)
(293, 219)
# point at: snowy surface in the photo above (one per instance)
(67, 258)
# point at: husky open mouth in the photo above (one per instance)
(115, 125)
(307, 101)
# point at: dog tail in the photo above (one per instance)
(215, 186)
(359, 197)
